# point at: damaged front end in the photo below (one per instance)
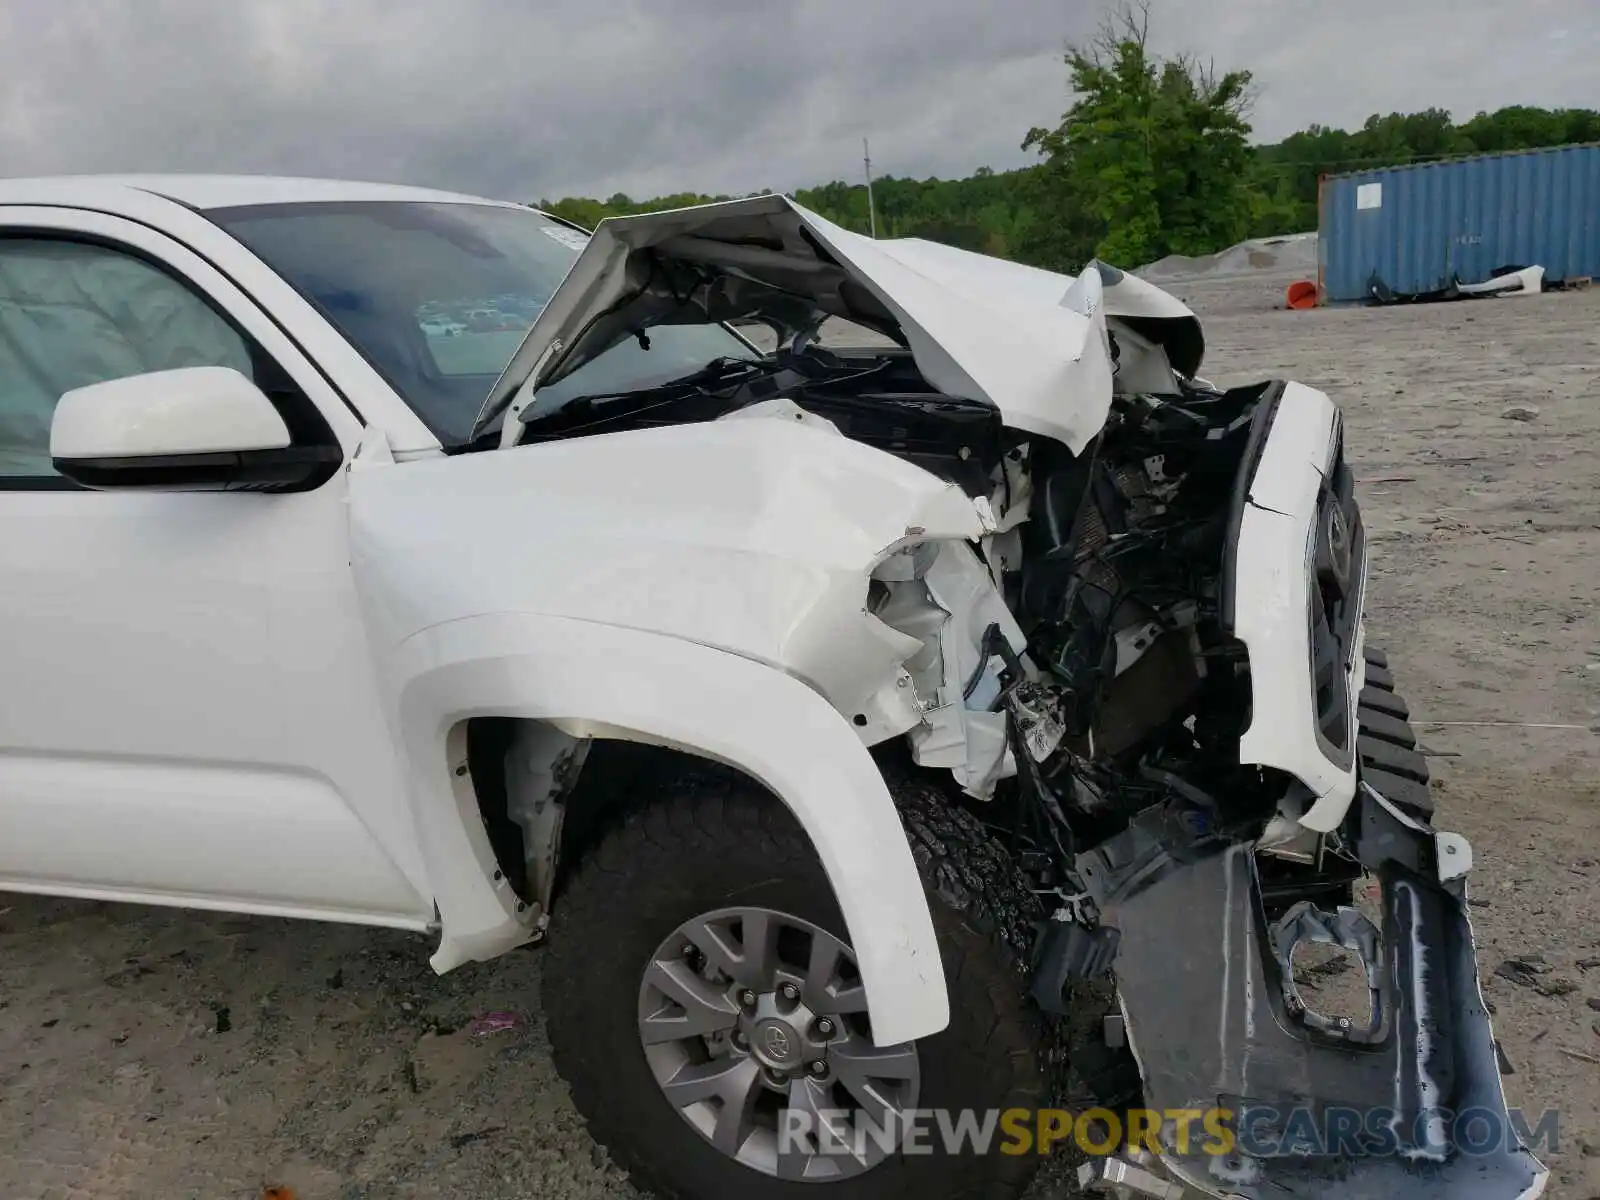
(1136, 641)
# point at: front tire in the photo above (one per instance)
(713, 850)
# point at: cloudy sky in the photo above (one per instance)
(530, 98)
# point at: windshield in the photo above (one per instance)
(438, 296)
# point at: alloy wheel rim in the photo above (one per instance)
(754, 1024)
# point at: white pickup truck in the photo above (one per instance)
(386, 556)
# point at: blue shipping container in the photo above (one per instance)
(1417, 228)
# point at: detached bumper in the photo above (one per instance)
(1408, 1105)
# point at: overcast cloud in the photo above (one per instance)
(528, 98)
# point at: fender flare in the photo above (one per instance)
(600, 680)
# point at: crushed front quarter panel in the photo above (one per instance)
(702, 587)
(754, 536)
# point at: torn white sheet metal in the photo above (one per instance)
(957, 732)
(1126, 298)
(978, 327)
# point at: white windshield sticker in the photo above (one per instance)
(567, 237)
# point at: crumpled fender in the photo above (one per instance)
(596, 680)
(754, 535)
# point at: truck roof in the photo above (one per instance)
(227, 191)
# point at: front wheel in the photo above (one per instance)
(704, 1005)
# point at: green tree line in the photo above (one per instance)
(1153, 158)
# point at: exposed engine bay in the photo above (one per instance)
(1090, 645)
(1149, 674)
(1111, 662)
(1081, 667)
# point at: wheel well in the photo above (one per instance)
(488, 742)
(591, 783)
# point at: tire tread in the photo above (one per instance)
(1387, 745)
(717, 812)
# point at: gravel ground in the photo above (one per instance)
(161, 1053)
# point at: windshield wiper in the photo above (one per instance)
(718, 370)
(715, 371)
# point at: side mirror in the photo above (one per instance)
(192, 429)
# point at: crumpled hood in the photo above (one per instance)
(1031, 342)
